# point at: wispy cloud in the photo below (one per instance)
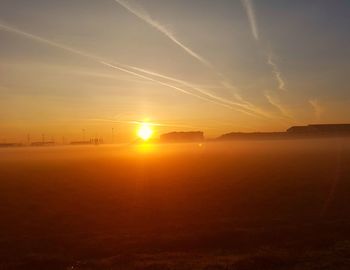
(317, 108)
(243, 105)
(239, 107)
(102, 61)
(182, 82)
(242, 108)
(143, 15)
(277, 73)
(161, 83)
(249, 8)
(46, 41)
(133, 122)
(109, 75)
(146, 17)
(278, 105)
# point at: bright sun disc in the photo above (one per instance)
(145, 132)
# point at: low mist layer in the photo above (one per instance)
(146, 205)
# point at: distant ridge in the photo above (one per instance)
(191, 136)
(308, 131)
(46, 143)
(252, 136)
(295, 132)
(321, 128)
(10, 144)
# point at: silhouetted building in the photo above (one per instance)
(191, 136)
(95, 141)
(323, 129)
(48, 143)
(295, 132)
(81, 142)
(10, 144)
(252, 136)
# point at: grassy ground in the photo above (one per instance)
(238, 205)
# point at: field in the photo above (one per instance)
(229, 205)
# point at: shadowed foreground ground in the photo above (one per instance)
(239, 205)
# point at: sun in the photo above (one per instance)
(145, 131)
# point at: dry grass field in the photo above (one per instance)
(236, 205)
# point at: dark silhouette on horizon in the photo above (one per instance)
(10, 144)
(43, 143)
(92, 141)
(294, 132)
(331, 129)
(190, 136)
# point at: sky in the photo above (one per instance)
(216, 66)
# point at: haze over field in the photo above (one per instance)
(216, 66)
(238, 205)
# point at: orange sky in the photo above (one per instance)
(215, 66)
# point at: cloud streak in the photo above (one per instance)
(46, 41)
(143, 15)
(242, 108)
(250, 11)
(277, 104)
(101, 61)
(146, 17)
(162, 83)
(245, 106)
(133, 122)
(277, 73)
(249, 8)
(317, 108)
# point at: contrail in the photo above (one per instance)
(245, 106)
(249, 8)
(250, 11)
(277, 73)
(143, 15)
(277, 104)
(317, 108)
(101, 61)
(146, 17)
(162, 83)
(103, 75)
(242, 110)
(120, 67)
(142, 122)
(46, 41)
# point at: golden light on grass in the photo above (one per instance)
(145, 131)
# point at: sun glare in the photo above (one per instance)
(145, 131)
